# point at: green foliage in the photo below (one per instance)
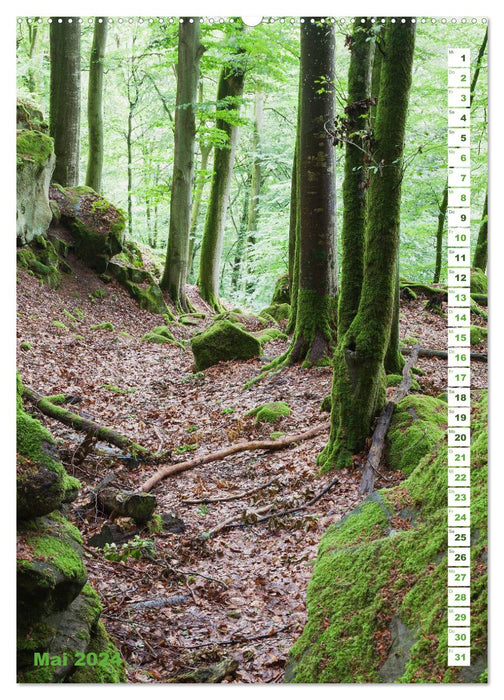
(105, 326)
(117, 389)
(25, 345)
(136, 548)
(181, 449)
(270, 412)
(479, 335)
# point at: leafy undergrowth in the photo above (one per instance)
(240, 594)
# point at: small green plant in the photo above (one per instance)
(106, 326)
(25, 345)
(135, 548)
(185, 448)
(228, 411)
(117, 389)
(203, 509)
(58, 324)
(79, 313)
(192, 429)
(70, 316)
(196, 377)
(97, 294)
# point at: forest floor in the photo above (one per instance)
(239, 595)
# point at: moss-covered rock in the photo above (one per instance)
(479, 335)
(479, 282)
(34, 167)
(376, 603)
(418, 425)
(396, 379)
(279, 312)
(96, 225)
(223, 341)
(270, 412)
(281, 294)
(141, 285)
(159, 334)
(326, 404)
(271, 334)
(41, 259)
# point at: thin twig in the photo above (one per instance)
(236, 496)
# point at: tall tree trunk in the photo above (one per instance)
(359, 377)
(255, 188)
(229, 92)
(65, 96)
(444, 200)
(129, 150)
(201, 179)
(33, 35)
(481, 252)
(240, 243)
(95, 106)
(355, 179)
(294, 225)
(190, 51)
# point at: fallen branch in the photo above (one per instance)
(234, 497)
(158, 602)
(279, 444)
(230, 521)
(443, 355)
(85, 425)
(378, 442)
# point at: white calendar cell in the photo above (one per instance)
(459, 476)
(459, 397)
(459, 517)
(459, 556)
(459, 617)
(459, 197)
(459, 376)
(459, 536)
(459, 117)
(458, 357)
(459, 457)
(459, 217)
(459, 436)
(459, 177)
(458, 296)
(459, 656)
(459, 277)
(459, 236)
(459, 496)
(458, 317)
(459, 58)
(459, 597)
(459, 417)
(459, 97)
(459, 576)
(459, 257)
(459, 137)
(458, 338)
(459, 637)
(459, 77)
(459, 158)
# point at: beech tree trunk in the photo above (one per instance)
(359, 377)
(190, 51)
(229, 93)
(480, 260)
(65, 94)
(95, 105)
(255, 189)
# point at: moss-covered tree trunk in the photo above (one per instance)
(294, 229)
(317, 202)
(95, 106)
(359, 377)
(229, 93)
(177, 255)
(355, 178)
(65, 94)
(480, 260)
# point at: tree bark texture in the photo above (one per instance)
(255, 188)
(65, 94)
(229, 93)
(177, 257)
(95, 106)
(480, 260)
(359, 376)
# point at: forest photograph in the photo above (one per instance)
(251, 350)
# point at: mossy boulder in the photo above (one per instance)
(479, 282)
(281, 293)
(479, 335)
(396, 379)
(223, 341)
(418, 425)
(377, 600)
(279, 312)
(159, 334)
(41, 259)
(270, 412)
(35, 163)
(271, 334)
(141, 285)
(96, 225)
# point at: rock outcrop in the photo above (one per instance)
(223, 341)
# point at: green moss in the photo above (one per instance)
(275, 435)
(223, 341)
(106, 326)
(25, 345)
(34, 146)
(270, 412)
(270, 334)
(155, 524)
(326, 404)
(41, 258)
(396, 379)
(281, 294)
(387, 561)
(479, 335)
(418, 425)
(101, 645)
(479, 282)
(277, 312)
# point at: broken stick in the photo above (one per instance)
(279, 444)
(378, 442)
